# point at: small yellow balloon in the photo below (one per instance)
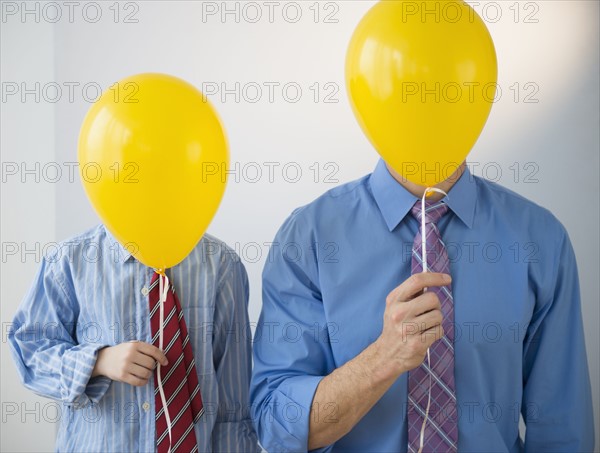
(421, 77)
(153, 158)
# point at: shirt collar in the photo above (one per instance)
(123, 253)
(394, 201)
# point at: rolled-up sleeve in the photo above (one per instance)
(42, 341)
(292, 353)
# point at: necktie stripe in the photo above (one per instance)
(448, 391)
(434, 425)
(185, 341)
(448, 294)
(187, 373)
(154, 310)
(191, 365)
(175, 420)
(447, 342)
(166, 378)
(153, 285)
(165, 323)
(419, 259)
(435, 206)
(199, 415)
(173, 396)
(171, 371)
(174, 449)
(196, 390)
(182, 413)
(173, 340)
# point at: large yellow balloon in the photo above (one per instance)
(421, 77)
(153, 158)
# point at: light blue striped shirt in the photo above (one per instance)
(91, 293)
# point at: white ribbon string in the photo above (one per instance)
(426, 269)
(163, 284)
(423, 234)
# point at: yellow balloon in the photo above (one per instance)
(421, 77)
(153, 157)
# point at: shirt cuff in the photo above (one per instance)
(78, 387)
(295, 414)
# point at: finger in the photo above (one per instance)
(416, 326)
(139, 371)
(136, 381)
(429, 320)
(422, 304)
(153, 352)
(432, 335)
(144, 360)
(417, 282)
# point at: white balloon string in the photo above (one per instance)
(422, 434)
(163, 281)
(426, 269)
(423, 233)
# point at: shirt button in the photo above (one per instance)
(145, 291)
(146, 406)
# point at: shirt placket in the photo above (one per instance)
(145, 394)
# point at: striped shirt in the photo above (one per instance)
(90, 293)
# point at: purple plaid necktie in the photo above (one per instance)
(441, 429)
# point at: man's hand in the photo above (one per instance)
(132, 363)
(412, 322)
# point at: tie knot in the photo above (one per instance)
(433, 211)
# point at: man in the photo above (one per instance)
(354, 351)
(87, 335)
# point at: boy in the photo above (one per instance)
(83, 336)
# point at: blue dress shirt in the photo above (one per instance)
(91, 293)
(519, 345)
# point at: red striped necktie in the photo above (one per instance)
(180, 389)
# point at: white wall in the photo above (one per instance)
(28, 215)
(558, 56)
